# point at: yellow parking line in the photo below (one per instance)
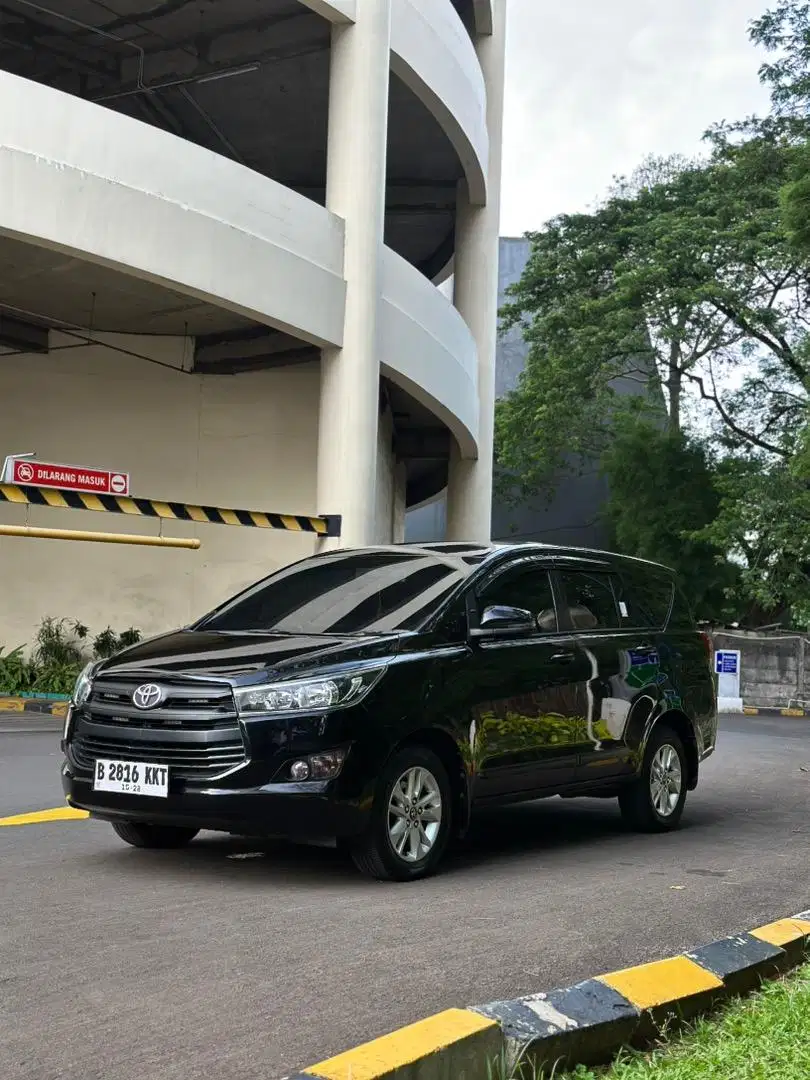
(61, 813)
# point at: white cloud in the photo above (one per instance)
(593, 86)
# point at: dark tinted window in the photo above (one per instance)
(681, 617)
(346, 593)
(523, 587)
(646, 597)
(590, 599)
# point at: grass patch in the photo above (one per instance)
(762, 1037)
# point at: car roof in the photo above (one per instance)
(495, 551)
(503, 549)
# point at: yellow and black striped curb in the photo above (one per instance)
(328, 525)
(755, 710)
(583, 1024)
(47, 706)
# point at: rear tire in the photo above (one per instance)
(410, 820)
(654, 802)
(154, 836)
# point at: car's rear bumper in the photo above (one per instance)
(312, 810)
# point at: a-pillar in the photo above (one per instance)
(469, 489)
(355, 191)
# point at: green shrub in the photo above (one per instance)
(15, 672)
(59, 642)
(62, 647)
(56, 678)
(108, 643)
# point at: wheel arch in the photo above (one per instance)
(685, 729)
(442, 743)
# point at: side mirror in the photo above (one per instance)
(499, 621)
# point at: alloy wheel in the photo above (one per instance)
(414, 814)
(666, 780)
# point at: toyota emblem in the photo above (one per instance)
(148, 696)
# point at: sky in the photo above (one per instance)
(594, 86)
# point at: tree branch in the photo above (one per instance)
(777, 344)
(729, 422)
(713, 342)
(632, 372)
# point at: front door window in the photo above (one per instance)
(528, 709)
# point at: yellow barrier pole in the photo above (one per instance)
(99, 537)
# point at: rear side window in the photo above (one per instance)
(590, 599)
(646, 598)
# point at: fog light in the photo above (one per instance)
(323, 766)
(327, 766)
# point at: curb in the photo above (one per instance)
(751, 710)
(47, 705)
(30, 723)
(583, 1024)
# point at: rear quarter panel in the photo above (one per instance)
(690, 689)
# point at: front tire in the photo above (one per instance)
(410, 820)
(655, 801)
(154, 836)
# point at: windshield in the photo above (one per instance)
(373, 591)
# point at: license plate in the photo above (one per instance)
(131, 778)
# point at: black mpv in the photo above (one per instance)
(377, 696)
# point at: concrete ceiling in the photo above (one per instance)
(49, 287)
(267, 106)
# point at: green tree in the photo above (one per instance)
(764, 523)
(691, 278)
(680, 284)
(784, 31)
(690, 285)
(663, 497)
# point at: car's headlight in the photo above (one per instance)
(307, 695)
(84, 684)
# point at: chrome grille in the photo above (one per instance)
(188, 761)
(195, 731)
(188, 704)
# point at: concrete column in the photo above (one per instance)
(399, 516)
(355, 190)
(469, 490)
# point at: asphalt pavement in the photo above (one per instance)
(244, 962)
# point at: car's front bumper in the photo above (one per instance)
(313, 810)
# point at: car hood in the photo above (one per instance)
(241, 657)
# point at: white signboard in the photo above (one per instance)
(727, 669)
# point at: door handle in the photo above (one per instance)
(563, 657)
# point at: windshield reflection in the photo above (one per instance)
(367, 592)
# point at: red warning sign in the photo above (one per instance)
(68, 477)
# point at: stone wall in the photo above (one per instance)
(774, 668)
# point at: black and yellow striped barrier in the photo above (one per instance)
(167, 511)
(585, 1024)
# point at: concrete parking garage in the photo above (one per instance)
(222, 232)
